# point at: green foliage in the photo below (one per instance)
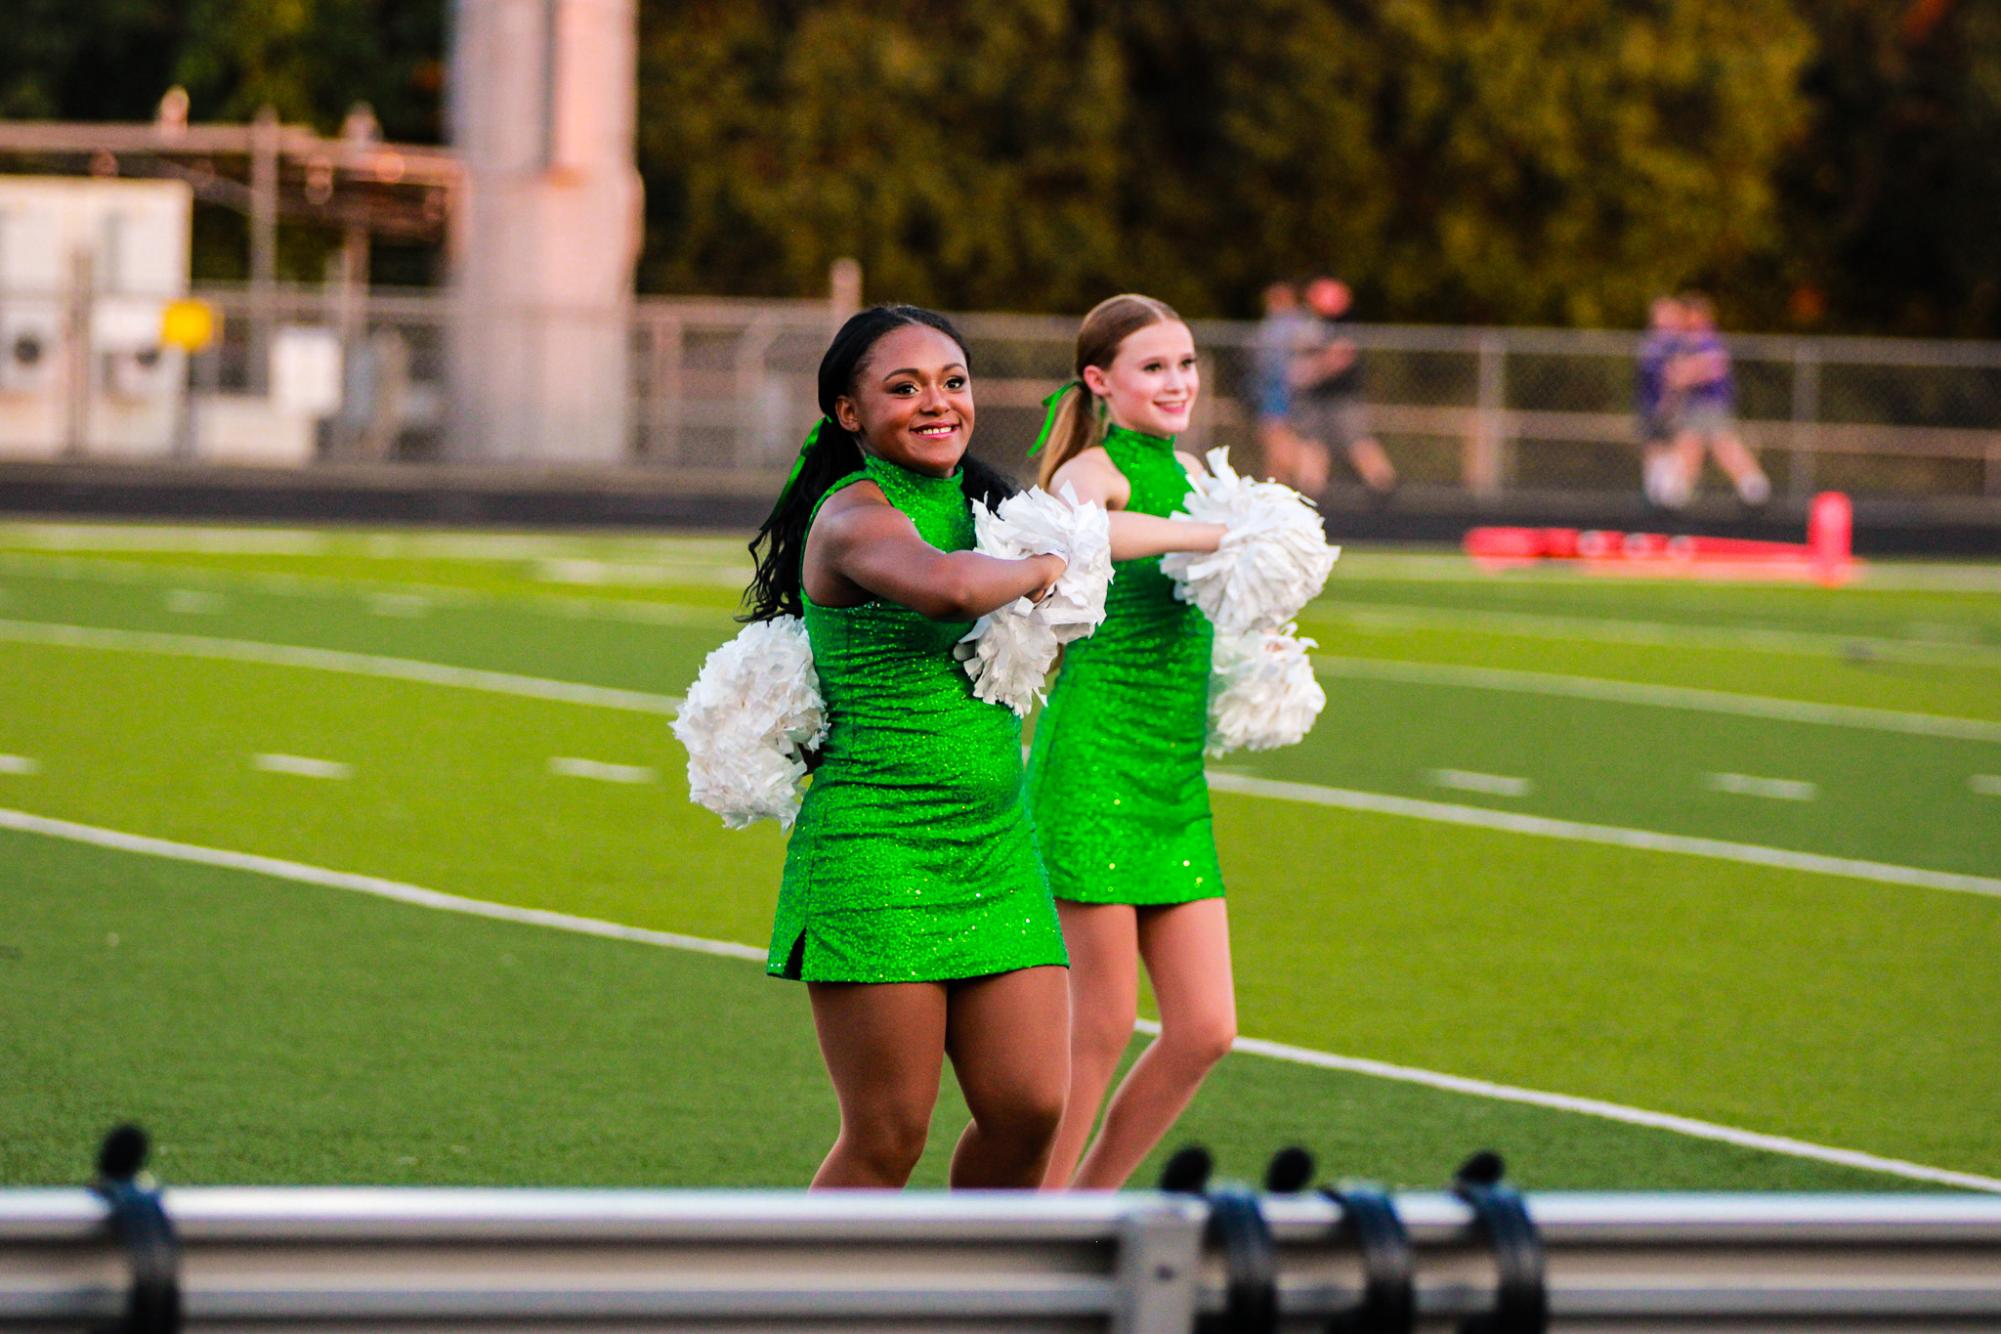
(1820, 163)
(1534, 160)
(1889, 201)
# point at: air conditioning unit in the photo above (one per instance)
(139, 372)
(31, 348)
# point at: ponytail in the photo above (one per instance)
(1078, 423)
(1077, 420)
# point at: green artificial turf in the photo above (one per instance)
(1839, 1011)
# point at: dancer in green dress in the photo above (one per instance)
(1115, 778)
(914, 905)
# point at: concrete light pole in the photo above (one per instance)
(547, 228)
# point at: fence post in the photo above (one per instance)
(1806, 411)
(1484, 468)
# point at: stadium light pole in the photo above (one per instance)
(546, 238)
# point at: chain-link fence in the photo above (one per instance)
(722, 390)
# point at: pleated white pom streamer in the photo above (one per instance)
(1274, 559)
(1009, 651)
(1262, 691)
(752, 712)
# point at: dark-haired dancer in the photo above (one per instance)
(1116, 780)
(914, 904)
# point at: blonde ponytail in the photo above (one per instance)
(1079, 421)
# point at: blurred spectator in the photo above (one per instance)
(1705, 414)
(1656, 406)
(1326, 380)
(1285, 328)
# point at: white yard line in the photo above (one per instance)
(194, 602)
(405, 606)
(1655, 634)
(1658, 696)
(333, 660)
(301, 765)
(19, 764)
(1610, 1111)
(1985, 785)
(429, 898)
(1749, 785)
(600, 696)
(1465, 780)
(88, 570)
(571, 767)
(1647, 840)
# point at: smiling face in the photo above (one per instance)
(1152, 381)
(912, 400)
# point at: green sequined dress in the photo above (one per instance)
(913, 858)
(1115, 778)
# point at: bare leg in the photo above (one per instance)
(1009, 1039)
(1372, 464)
(884, 1045)
(1281, 450)
(1743, 470)
(1103, 939)
(1187, 953)
(1688, 454)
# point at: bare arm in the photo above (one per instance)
(1094, 477)
(867, 548)
(1138, 535)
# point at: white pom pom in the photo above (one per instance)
(751, 713)
(1009, 651)
(1262, 691)
(1274, 558)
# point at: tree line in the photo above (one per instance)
(1819, 164)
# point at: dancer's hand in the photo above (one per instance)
(1051, 567)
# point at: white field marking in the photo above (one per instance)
(1652, 634)
(194, 602)
(1389, 567)
(1647, 840)
(571, 767)
(301, 765)
(19, 764)
(1383, 803)
(1985, 785)
(1610, 1111)
(334, 660)
(414, 895)
(405, 606)
(165, 537)
(1659, 696)
(631, 574)
(1749, 785)
(1465, 780)
(333, 586)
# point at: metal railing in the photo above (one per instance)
(722, 390)
(121, 1256)
(325, 1259)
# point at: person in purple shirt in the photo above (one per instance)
(1705, 416)
(1655, 405)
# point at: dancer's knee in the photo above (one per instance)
(1199, 1042)
(1099, 1036)
(890, 1142)
(1028, 1115)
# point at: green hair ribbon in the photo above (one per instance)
(798, 466)
(1053, 403)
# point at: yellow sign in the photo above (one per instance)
(189, 324)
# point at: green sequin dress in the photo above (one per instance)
(913, 859)
(1115, 778)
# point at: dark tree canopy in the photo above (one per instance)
(1824, 164)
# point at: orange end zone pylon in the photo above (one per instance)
(1827, 556)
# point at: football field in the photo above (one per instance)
(358, 856)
